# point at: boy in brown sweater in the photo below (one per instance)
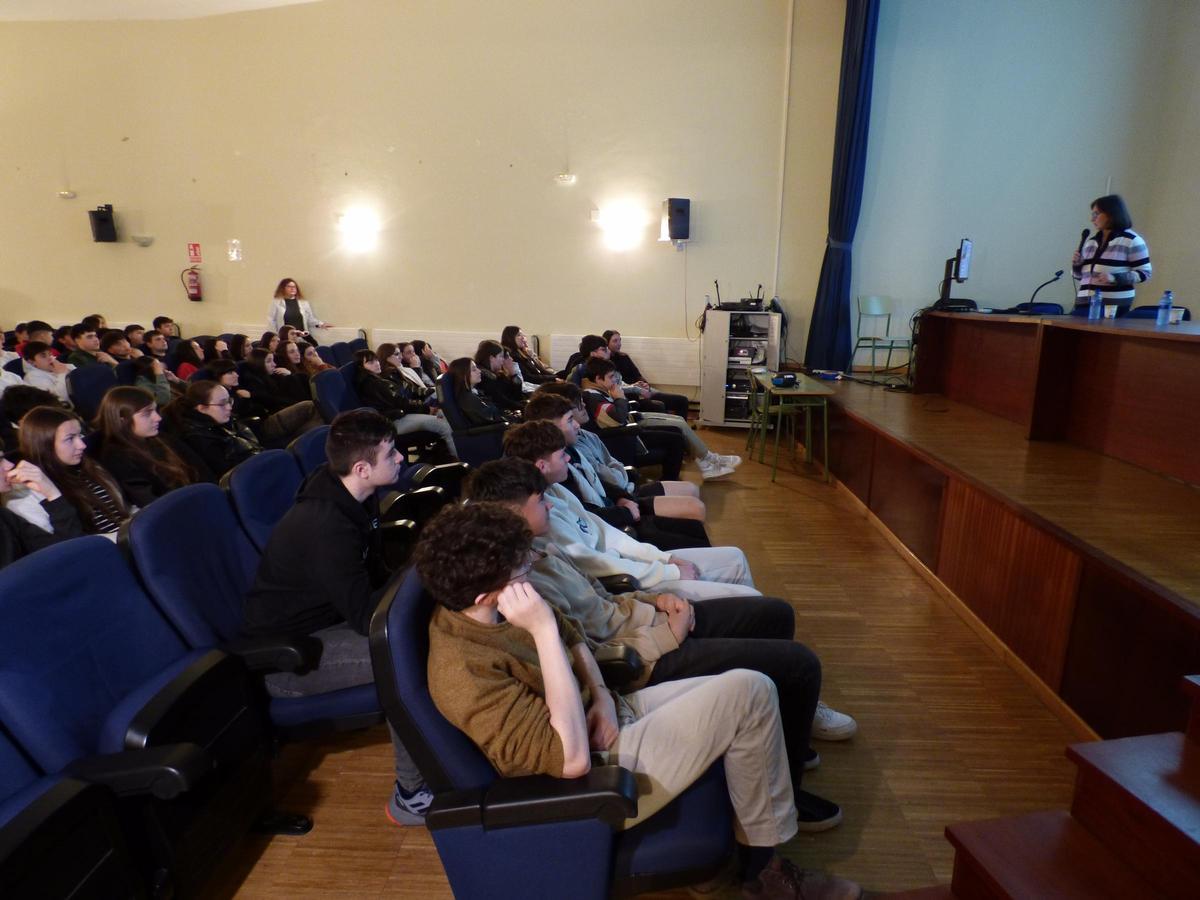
(516, 677)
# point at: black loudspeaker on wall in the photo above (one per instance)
(104, 229)
(677, 217)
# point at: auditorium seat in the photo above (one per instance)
(126, 372)
(92, 668)
(59, 837)
(16, 366)
(334, 393)
(262, 489)
(327, 356)
(342, 353)
(357, 344)
(476, 444)
(87, 385)
(531, 836)
(309, 448)
(200, 585)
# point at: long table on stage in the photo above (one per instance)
(1125, 388)
(1085, 566)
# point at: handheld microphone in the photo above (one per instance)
(1083, 239)
(1029, 305)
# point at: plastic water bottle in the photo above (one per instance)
(1096, 307)
(1164, 308)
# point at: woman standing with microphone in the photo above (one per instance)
(1113, 260)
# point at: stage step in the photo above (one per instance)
(1040, 855)
(1141, 797)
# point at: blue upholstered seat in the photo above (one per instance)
(87, 385)
(262, 489)
(538, 851)
(201, 584)
(93, 668)
(334, 393)
(475, 444)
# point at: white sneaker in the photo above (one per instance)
(831, 725)
(731, 460)
(710, 470)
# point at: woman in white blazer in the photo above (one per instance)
(290, 308)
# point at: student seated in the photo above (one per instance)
(189, 359)
(526, 689)
(116, 345)
(203, 420)
(311, 362)
(18, 536)
(401, 362)
(43, 371)
(498, 380)
(136, 335)
(476, 409)
(272, 387)
(322, 573)
(396, 400)
(87, 348)
(677, 639)
(616, 507)
(274, 427)
(631, 377)
(36, 330)
(150, 374)
(213, 349)
(432, 364)
(51, 438)
(531, 369)
(145, 464)
(608, 407)
(678, 499)
(599, 549)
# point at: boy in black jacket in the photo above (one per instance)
(322, 573)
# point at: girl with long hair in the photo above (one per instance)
(203, 419)
(476, 409)
(52, 439)
(144, 464)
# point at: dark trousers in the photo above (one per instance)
(666, 449)
(753, 633)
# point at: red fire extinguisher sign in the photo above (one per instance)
(194, 254)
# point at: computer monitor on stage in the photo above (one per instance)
(958, 268)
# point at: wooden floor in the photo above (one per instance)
(946, 731)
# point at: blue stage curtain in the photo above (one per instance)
(830, 338)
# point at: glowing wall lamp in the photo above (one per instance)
(623, 223)
(360, 229)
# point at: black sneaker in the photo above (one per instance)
(815, 813)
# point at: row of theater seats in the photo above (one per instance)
(133, 720)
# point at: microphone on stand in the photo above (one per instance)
(1029, 305)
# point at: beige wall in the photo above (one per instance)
(1001, 122)
(450, 119)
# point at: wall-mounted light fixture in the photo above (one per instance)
(142, 240)
(623, 223)
(233, 250)
(360, 229)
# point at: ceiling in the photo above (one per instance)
(92, 10)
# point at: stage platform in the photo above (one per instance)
(1085, 566)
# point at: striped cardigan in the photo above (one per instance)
(1125, 257)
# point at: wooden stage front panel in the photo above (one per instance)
(1086, 567)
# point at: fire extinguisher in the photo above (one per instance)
(191, 283)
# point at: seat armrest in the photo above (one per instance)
(208, 703)
(606, 793)
(295, 653)
(419, 504)
(493, 428)
(620, 584)
(164, 772)
(448, 476)
(619, 664)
